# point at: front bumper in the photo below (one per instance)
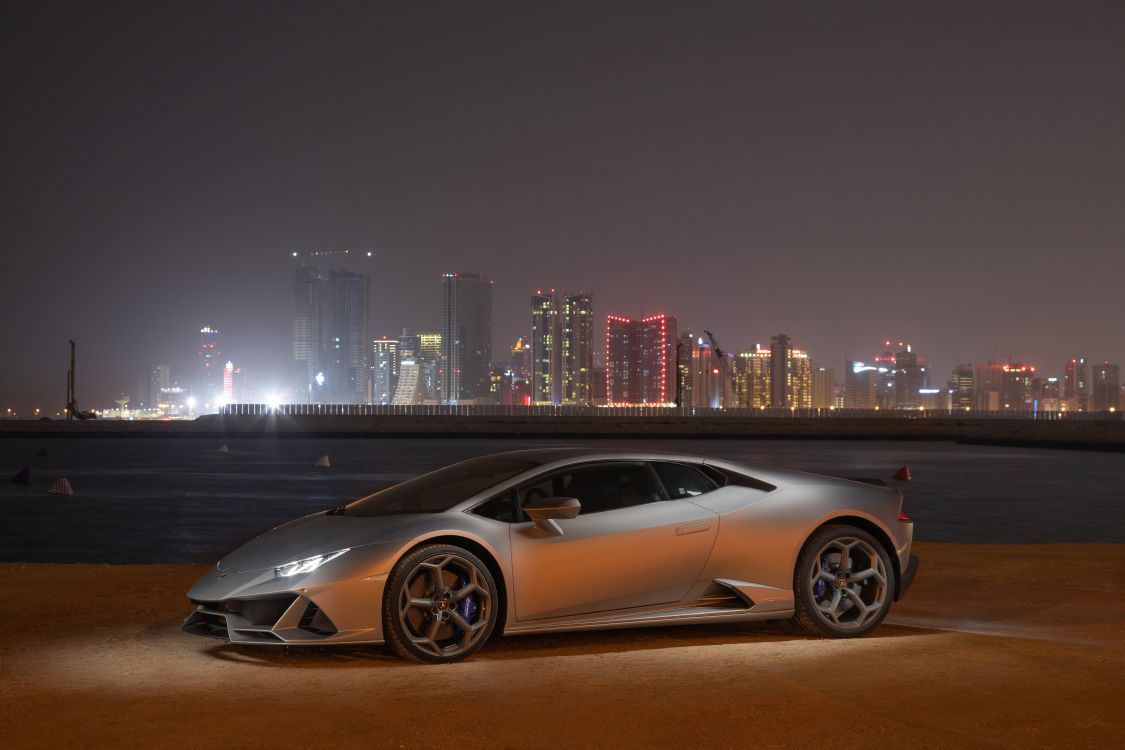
(907, 577)
(257, 608)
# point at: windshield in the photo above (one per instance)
(440, 490)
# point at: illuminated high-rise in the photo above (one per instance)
(823, 383)
(861, 386)
(431, 364)
(790, 375)
(466, 335)
(578, 349)
(385, 364)
(208, 386)
(704, 382)
(546, 348)
(1079, 385)
(962, 387)
(800, 374)
(753, 369)
(159, 378)
(781, 377)
(988, 380)
(521, 373)
(1106, 391)
(562, 348)
(640, 360)
(330, 339)
(1016, 392)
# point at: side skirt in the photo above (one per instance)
(689, 616)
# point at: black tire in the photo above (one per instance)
(421, 617)
(813, 598)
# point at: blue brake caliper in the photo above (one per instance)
(469, 606)
(820, 588)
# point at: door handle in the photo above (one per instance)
(692, 528)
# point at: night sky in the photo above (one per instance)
(950, 175)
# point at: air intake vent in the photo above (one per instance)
(718, 596)
(315, 621)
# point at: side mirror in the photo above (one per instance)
(544, 512)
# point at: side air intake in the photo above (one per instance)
(719, 596)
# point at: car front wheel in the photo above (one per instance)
(844, 583)
(440, 604)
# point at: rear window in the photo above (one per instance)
(440, 490)
(683, 481)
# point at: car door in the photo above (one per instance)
(631, 546)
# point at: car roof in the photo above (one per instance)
(544, 456)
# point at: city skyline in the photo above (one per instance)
(205, 379)
(947, 176)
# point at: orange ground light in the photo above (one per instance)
(996, 646)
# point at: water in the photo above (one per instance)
(181, 500)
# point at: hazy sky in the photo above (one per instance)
(948, 174)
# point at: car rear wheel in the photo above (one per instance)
(440, 604)
(844, 583)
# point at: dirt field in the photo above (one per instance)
(996, 646)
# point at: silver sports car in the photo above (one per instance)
(566, 539)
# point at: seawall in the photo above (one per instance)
(1093, 434)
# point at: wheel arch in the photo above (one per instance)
(485, 556)
(872, 528)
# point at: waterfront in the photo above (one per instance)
(183, 501)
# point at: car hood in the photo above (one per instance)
(316, 535)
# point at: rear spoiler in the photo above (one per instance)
(902, 475)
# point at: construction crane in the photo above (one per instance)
(72, 410)
(725, 364)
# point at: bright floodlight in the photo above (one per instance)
(273, 401)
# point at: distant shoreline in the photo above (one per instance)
(1101, 435)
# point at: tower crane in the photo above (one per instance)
(725, 364)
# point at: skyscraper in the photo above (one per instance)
(962, 387)
(209, 375)
(562, 348)
(431, 364)
(159, 378)
(466, 319)
(640, 360)
(384, 370)
(521, 373)
(1106, 394)
(330, 340)
(1079, 384)
(861, 386)
(409, 346)
(800, 379)
(781, 378)
(578, 349)
(988, 380)
(909, 376)
(1016, 387)
(704, 384)
(754, 378)
(823, 382)
(546, 348)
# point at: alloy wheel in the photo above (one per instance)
(444, 606)
(848, 582)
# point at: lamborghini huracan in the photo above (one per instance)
(566, 539)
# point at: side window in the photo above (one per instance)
(499, 508)
(682, 480)
(599, 487)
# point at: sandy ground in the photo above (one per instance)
(996, 646)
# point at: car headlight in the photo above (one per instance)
(308, 565)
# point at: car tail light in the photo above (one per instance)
(902, 516)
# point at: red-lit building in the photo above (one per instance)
(640, 360)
